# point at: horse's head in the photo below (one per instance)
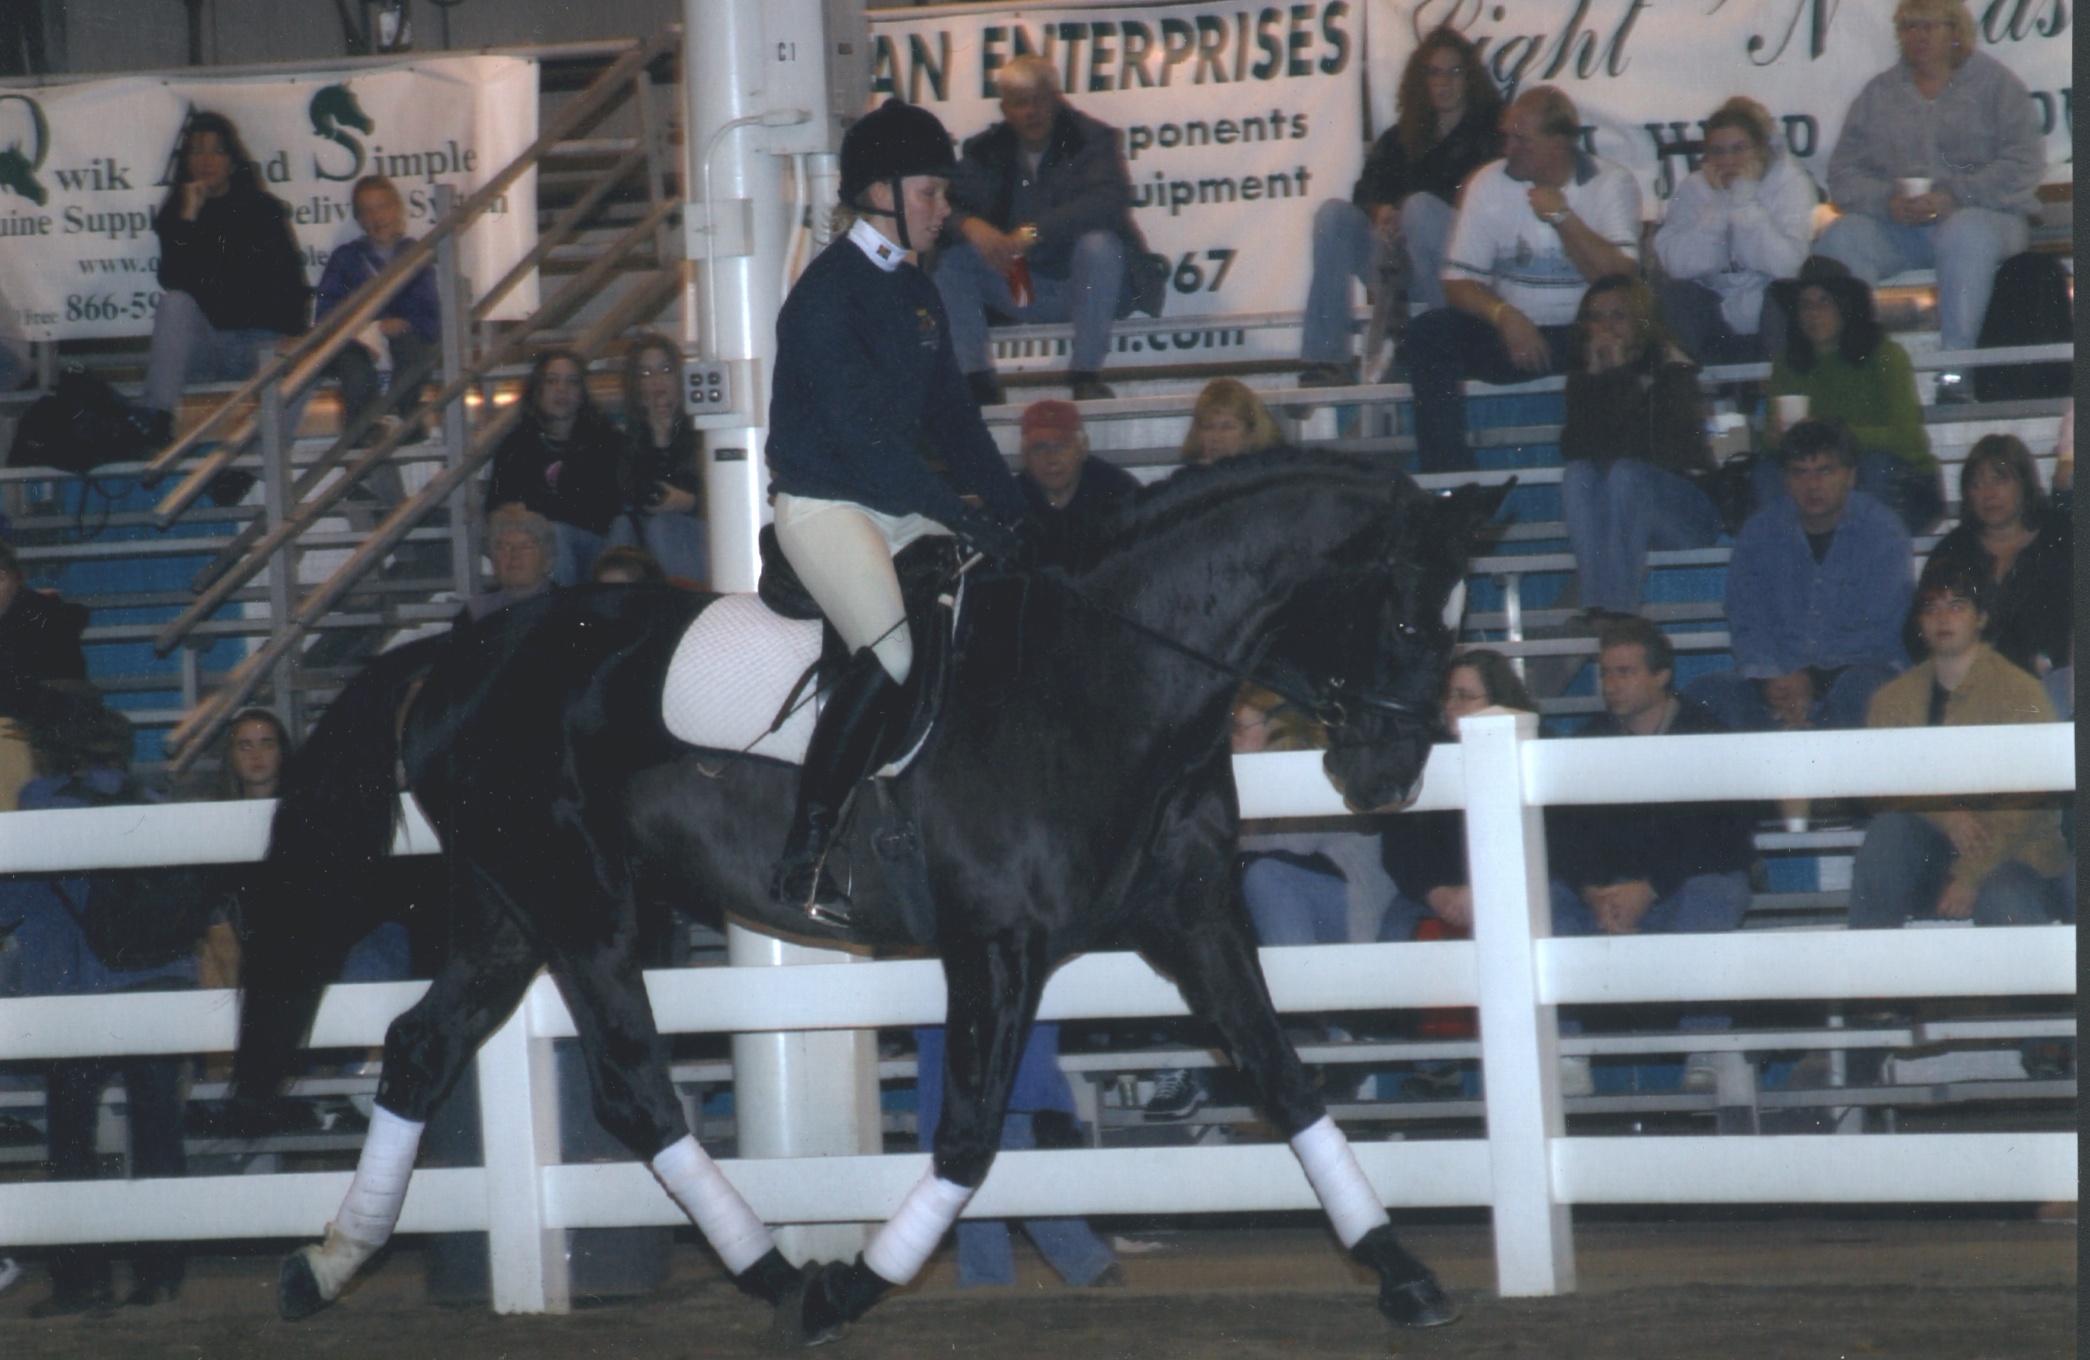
(1371, 641)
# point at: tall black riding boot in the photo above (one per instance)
(844, 742)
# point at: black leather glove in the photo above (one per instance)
(997, 542)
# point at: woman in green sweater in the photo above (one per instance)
(1837, 356)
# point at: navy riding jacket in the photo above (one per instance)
(869, 404)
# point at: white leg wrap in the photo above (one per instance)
(687, 1172)
(387, 1163)
(1352, 1205)
(910, 1236)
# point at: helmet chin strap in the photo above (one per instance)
(898, 213)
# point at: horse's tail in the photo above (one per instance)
(318, 892)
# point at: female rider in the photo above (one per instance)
(870, 423)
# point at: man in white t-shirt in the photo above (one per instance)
(1535, 229)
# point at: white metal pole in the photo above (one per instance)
(747, 63)
(1519, 1044)
(519, 1132)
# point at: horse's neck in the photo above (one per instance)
(1216, 581)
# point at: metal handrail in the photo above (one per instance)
(317, 347)
(192, 735)
(568, 300)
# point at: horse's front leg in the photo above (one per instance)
(993, 986)
(1211, 954)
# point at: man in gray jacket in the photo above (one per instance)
(1042, 199)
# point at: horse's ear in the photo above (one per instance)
(1461, 510)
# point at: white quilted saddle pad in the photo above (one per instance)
(731, 673)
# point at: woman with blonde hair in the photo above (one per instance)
(1227, 421)
(1742, 219)
(1937, 168)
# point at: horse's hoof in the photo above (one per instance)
(806, 1315)
(297, 1289)
(1418, 1303)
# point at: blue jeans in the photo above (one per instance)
(1617, 513)
(1917, 498)
(1905, 862)
(1704, 904)
(1291, 905)
(578, 549)
(1346, 248)
(1446, 347)
(1736, 702)
(186, 349)
(1965, 249)
(1692, 313)
(1068, 1245)
(1088, 297)
(677, 542)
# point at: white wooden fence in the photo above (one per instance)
(1526, 1169)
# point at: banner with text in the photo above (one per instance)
(84, 168)
(1236, 124)
(1645, 73)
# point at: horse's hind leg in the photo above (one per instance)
(994, 986)
(427, 1048)
(1214, 963)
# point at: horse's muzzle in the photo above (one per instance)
(1399, 800)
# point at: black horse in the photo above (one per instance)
(1075, 794)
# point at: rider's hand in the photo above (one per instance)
(997, 542)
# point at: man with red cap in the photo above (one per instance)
(1065, 489)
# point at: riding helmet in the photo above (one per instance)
(895, 140)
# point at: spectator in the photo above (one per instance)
(1304, 887)
(1839, 359)
(1228, 420)
(83, 755)
(1742, 219)
(1043, 198)
(1040, 1115)
(1064, 488)
(39, 632)
(523, 546)
(406, 330)
(15, 362)
(2023, 547)
(1635, 430)
(1425, 852)
(1937, 167)
(1999, 860)
(1399, 214)
(234, 280)
(1816, 592)
(663, 468)
(561, 461)
(1534, 230)
(628, 566)
(1654, 867)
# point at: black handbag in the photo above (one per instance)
(80, 425)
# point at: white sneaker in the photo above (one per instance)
(1575, 1077)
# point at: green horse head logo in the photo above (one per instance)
(334, 111)
(24, 142)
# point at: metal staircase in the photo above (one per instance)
(362, 532)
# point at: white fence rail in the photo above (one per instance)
(1526, 1169)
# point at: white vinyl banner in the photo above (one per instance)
(1238, 120)
(1236, 123)
(1645, 73)
(85, 166)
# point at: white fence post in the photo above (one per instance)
(804, 1093)
(519, 1132)
(1519, 1043)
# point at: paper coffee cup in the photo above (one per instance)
(1795, 825)
(1912, 185)
(1792, 408)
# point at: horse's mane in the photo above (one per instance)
(1153, 510)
